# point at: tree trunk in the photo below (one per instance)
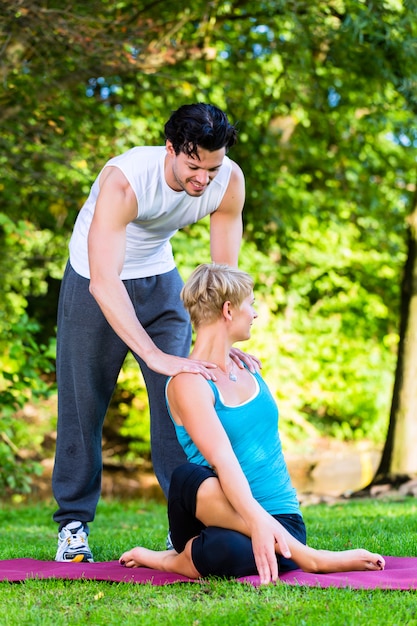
(399, 458)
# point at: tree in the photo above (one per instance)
(342, 105)
(323, 93)
(62, 71)
(398, 460)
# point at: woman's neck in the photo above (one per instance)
(212, 344)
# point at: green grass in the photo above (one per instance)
(28, 531)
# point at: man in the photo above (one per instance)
(121, 292)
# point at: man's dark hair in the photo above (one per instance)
(199, 125)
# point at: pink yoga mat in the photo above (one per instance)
(400, 573)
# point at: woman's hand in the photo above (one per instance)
(269, 539)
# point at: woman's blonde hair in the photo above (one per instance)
(209, 287)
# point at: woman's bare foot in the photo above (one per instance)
(349, 561)
(142, 557)
(163, 560)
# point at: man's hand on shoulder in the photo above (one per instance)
(171, 365)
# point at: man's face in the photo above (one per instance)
(189, 173)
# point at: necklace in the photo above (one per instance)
(232, 375)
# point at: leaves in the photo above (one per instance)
(325, 101)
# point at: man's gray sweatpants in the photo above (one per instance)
(89, 358)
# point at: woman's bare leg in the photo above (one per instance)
(164, 560)
(327, 561)
(213, 509)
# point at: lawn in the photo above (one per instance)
(387, 527)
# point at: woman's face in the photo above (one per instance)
(243, 318)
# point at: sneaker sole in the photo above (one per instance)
(78, 559)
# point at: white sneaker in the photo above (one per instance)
(73, 544)
(168, 543)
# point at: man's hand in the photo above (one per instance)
(240, 357)
(172, 365)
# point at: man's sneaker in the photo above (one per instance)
(168, 543)
(73, 544)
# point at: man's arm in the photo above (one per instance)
(117, 206)
(226, 222)
(225, 239)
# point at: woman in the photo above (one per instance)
(232, 508)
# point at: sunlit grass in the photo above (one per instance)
(28, 531)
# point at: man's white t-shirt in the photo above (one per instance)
(161, 212)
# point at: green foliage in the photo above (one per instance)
(20, 383)
(324, 97)
(25, 365)
(130, 412)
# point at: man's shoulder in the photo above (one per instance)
(232, 173)
(140, 164)
(234, 188)
(147, 152)
(236, 170)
